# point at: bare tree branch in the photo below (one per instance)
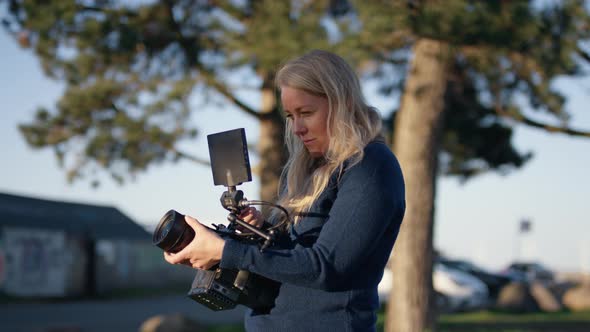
(187, 156)
(224, 91)
(537, 124)
(585, 55)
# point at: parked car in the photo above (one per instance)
(384, 286)
(493, 281)
(529, 272)
(455, 290)
(462, 290)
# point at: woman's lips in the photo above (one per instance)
(307, 141)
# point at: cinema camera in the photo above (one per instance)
(217, 288)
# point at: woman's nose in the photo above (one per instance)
(299, 127)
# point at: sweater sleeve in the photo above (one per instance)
(370, 199)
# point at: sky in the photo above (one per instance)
(477, 220)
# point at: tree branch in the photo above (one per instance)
(177, 152)
(187, 156)
(213, 82)
(207, 74)
(540, 125)
(585, 55)
(106, 10)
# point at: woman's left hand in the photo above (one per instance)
(204, 251)
(252, 216)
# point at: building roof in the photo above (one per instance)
(98, 222)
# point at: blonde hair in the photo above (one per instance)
(352, 124)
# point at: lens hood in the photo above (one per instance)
(172, 233)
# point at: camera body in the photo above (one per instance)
(217, 288)
(222, 289)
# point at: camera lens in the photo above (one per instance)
(173, 233)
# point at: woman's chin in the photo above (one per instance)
(315, 154)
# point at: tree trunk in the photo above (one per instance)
(271, 148)
(416, 137)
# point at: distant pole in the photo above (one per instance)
(524, 227)
(585, 261)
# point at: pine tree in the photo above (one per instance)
(462, 67)
(130, 70)
(467, 64)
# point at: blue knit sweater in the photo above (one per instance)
(335, 260)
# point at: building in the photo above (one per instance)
(59, 249)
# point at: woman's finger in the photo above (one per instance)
(172, 258)
(194, 223)
(247, 212)
(176, 259)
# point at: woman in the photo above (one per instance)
(345, 190)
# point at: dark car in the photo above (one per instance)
(493, 281)
(529, 272)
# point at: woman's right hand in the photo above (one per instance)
(252, 217)
(203, 252)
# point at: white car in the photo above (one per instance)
(456, 290)
(385, 285)
(461, 291)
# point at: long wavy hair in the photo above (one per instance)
(352, 124)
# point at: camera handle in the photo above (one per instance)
(268, 237)
(233, 200)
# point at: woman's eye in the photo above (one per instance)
(288, 116)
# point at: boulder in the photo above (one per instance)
(545, 299)
(170, 323)
(578, 298)
(516, 297)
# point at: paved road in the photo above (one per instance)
(106, 315)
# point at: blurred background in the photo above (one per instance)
(106, 106)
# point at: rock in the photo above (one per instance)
(516, 297)
(545, 299)
(578, 298)
(170, 323)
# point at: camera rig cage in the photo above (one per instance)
(218, 288)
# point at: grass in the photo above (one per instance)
(483, 321)
(480, 321)
(505, 317)
(493, 321)
(489, 321)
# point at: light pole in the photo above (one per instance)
(524, 227)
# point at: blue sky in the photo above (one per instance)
(477, 220)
